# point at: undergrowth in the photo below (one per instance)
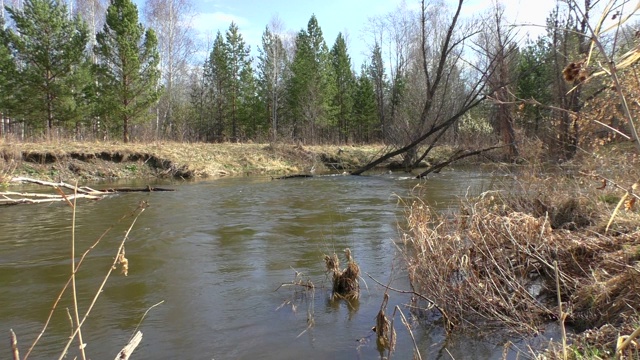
(492, 264)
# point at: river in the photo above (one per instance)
(215, 252)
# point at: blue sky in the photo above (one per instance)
(347, 16)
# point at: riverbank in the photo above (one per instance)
(92, 161)
(496, 267)
(550, 246)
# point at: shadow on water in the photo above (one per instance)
(215, 252)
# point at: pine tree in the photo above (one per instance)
(310, 87)
(216, 74)
(534, 82)
(8, 76)
(252, 120)
(379, 78)
(128, 66)
(48, 48)
(238, 62)
(344, 81)
(365, 112)
(298, 85)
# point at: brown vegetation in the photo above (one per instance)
(492, 264)
(345, 281)
(55, 160)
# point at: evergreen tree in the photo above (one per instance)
(48, 47)
(344, 81)
(534, 82)
(8, 76)
(128, 66)
(239, 61)
(252, 120)
(379, 78)
(298, 86)
(199, 125)
(365, 116)
(82, 104)
(310, 86)
(216, 74)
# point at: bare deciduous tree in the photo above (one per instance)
(170, 19)
(438, 51)
(272, 65)
(498, 47)
(93, 13)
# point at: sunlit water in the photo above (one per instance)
(215, 252)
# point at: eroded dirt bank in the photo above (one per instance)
(93, 161)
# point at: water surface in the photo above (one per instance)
(215, 252)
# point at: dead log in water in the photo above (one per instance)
(72, 192)
(295, 176)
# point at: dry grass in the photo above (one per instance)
(188, 160)
(478, 266)
(345, 282)
(492, 264)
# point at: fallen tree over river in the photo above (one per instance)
(78, 192)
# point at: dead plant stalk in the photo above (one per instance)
(73, 271)
(104, 281)
(64, 288)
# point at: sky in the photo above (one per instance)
(351, 17)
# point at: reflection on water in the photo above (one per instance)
(215, 252)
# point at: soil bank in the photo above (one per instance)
(98, 160)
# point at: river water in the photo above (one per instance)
(215, 252)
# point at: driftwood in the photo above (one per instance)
(79, 192)
(295, 176)
(128, 350)
(14, 345)
(145, 189)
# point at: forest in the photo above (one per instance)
(88, 70)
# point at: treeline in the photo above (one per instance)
(310, 94)
(94, 71)
(51, 81)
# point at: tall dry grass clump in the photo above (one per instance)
(481, 266)
(9, 158)
(492, 264)
(345, 281)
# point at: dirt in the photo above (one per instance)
(99, 161)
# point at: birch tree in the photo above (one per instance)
(272, 64)
(170, 21)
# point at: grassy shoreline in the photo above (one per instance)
(99, 161)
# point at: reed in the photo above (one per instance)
(77, 318)
(345, 282)
(492, 264)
